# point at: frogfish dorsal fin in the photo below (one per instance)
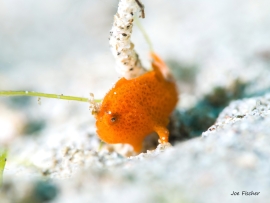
(161, 69)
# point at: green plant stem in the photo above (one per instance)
(3, 156)
(39, 94)
(139, 25)
(101, 144)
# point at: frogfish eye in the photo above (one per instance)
(112, 117)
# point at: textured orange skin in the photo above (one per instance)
(134, 108)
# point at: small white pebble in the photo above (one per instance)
(247, 161)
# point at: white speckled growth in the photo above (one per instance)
(127, 61)
(94, 106)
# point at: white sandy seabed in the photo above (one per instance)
(51, 47)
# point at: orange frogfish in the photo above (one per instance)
(134, 108)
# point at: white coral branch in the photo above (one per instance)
(127, 61)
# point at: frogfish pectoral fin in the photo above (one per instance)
(163, 133)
